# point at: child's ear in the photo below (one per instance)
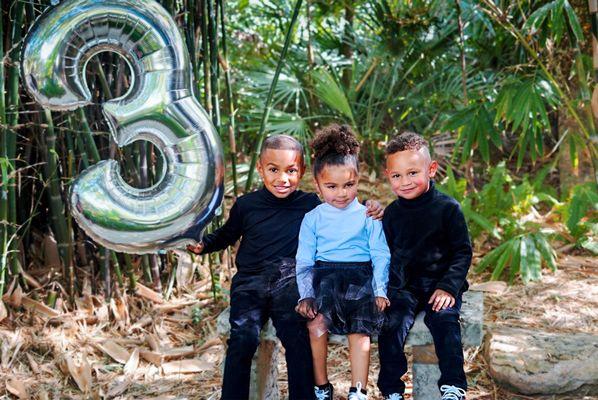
(316, 186)
(260, 168)
(433, 168)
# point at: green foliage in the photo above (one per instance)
(476, 129)
(522, 105)
(554, 19)
(579, 212)
(522, 255)
(509, 211)
(330, 92)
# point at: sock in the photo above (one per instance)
(353, 389)
(324, 386)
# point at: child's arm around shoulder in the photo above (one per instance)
(226, 235)
(380, 255)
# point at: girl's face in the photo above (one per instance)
(337, 184)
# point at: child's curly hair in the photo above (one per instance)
(335, 145)
(405, 141)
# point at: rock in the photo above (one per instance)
(536, 362)
(492, 287)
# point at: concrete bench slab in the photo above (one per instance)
(264, 372)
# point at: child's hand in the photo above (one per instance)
(382, 303)
(307, 308)
(441, 300)
(197, 249)
(374, 209)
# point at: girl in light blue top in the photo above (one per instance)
(342, 262)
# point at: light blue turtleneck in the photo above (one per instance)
(341, 235)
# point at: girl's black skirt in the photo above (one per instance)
(345, 297)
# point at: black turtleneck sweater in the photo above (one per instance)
(429, 243)
(269, 228)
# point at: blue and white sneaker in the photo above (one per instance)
(394, 396)
(450, 392)
(324, 394)
(358, 394)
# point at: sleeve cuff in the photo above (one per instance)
(447, 288)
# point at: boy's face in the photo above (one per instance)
(281, 170)
(337, 184)
(409, 172)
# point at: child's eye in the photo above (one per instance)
(349, 185)
(412, 173)
(292, 171)
(396, 176)
(273, 170)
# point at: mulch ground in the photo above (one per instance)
(134, 347)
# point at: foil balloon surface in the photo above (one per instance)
(159, 107)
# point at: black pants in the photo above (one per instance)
(254, 299)
(444, 327)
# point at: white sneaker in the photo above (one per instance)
(358, 395)
(452, 393)
(394, 396)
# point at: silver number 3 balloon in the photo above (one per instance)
(159, 107)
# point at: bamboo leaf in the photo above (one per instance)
(574, 22)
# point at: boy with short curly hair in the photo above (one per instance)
(430, 257)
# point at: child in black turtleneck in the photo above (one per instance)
(430, 256)
(267, 221)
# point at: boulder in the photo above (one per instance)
(537, 362)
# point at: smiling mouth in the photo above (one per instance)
(282, 188)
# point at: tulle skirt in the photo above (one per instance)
(345, 299)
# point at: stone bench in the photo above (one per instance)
(264, 371)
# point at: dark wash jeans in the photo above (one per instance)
(254, 299)
(444, 326)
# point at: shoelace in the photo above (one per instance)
(395, 396)
(322, 394)
(357, 395)
(451, 392)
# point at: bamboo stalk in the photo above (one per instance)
(4, 168)
(214, 66)
(171, 277)
(268, 106)
(130, 271)
(92, 149)
(462, 51)
(57, 216)
(229, 99)
(12, 119)
(205, 56)
(156, 262)
(190, 39)
(147, 272)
